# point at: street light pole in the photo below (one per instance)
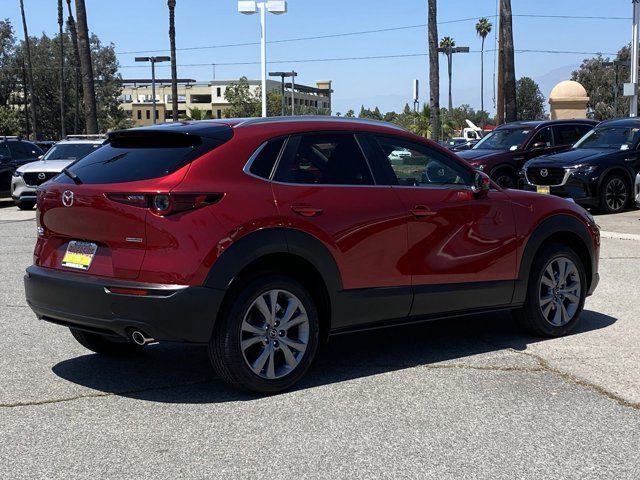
(273, 6)
(282, 75)
(153, 61)
(633, 111)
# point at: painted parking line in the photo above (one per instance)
(620, 236)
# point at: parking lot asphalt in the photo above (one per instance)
(464, 398)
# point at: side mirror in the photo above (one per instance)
(481, 184)
(537, 145)
(40, 157)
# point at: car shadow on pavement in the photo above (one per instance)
(176, 373)
(6, 202)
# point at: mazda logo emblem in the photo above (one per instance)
(67, 198)
(42, 176)
(544, 172)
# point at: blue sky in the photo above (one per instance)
(143, 24)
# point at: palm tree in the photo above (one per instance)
(483, 28)
(84, 50)
(421, 122)
(509, 71)
(434, 69)
(174, 74)
(198, 114)
(61, 39)
(447, 43)
(71, 25)
(27, 46)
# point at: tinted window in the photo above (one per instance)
(330, 159)
(503, 139)
(618, 138)
(4, 150)
(418, 165)
(65, 151)
(543, 136)
(568, 134)
(140, 156)
(24, 150)
(266, 158)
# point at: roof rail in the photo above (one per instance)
(11, 137)
(89, 136)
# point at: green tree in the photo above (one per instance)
(350, 113)
(448, 44)
(529, 100)
(198, 114)
(242, 102)
(8, 75)
(483, 28)
(599, 81)
(10, 121)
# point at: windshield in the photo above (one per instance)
(614, 138)
(503, 139)
(70, 151)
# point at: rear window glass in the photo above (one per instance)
(266, 158)
(140, 156)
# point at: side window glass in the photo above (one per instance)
(567, 134)
(328, 159)
(4, 150)
(542, 137)
(418, 165)
(263, 164)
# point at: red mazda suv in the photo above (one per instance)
(262, 237)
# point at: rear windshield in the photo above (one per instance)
(70, 151)
(137, 156)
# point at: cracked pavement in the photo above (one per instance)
(464, 398)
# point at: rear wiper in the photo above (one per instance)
(72, 176)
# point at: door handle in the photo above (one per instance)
(421, 211)
(306, 210)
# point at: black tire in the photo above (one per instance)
(225, 350)
(615, 193)
(531, 315)
(505, 178)
(105, 345)
(25, 204)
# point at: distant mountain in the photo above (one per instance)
(555, 76)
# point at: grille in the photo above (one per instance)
(554, 175)
(35, 178)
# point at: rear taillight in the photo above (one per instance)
(163, 204)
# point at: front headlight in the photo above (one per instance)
(16, 173)
(584, 169)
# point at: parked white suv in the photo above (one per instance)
(28, 177)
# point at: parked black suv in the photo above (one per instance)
(14, 152)
(501, 153)
(597, 172)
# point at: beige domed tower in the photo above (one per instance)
(568, 99)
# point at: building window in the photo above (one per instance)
(148, 114)
(157, 114)
(199, 98)
(139, 114)
(219, 113)
(219, 92)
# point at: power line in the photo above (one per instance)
(363, 32)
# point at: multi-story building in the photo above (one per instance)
(136, 98)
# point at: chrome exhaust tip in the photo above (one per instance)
(140, 338)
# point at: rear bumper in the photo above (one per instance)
(169, 312)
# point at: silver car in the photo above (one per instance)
(27, 178)
(637, 190)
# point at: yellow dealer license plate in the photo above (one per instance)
(79, 255)
(542, 189)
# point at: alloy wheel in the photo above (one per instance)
(504, 181)
(559, 292)
(275, 334)
(615, 194)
